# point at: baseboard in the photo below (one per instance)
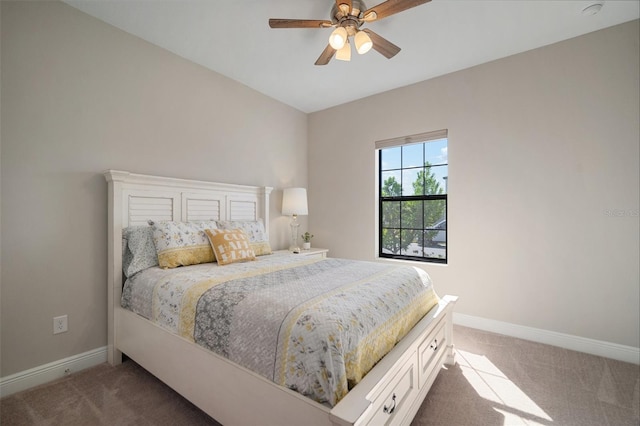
(567, 341)
(52, 371)
(57, 369)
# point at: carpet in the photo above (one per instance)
(497, 380)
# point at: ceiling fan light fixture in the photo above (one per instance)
(370, 16)
(593, 9)
(338, 38)
(346, 18)
(344, 54)
(363, 42)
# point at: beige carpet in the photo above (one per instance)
(497, 380)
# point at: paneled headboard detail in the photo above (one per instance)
(134, 199)
(140, 207)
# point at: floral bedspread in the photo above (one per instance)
(316, 326)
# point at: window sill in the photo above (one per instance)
(408, 261)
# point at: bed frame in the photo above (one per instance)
(390, 393)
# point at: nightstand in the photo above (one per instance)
(319, 252)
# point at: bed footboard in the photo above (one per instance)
(391, 393)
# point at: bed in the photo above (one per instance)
(389, 391)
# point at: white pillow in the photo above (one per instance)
(138, 249)
(182, 243)
(255, 231)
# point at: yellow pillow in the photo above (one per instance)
(260, 248)
(230, 245)
(255, 231)
(182, 243)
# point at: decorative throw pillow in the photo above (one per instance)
(230, 245)
(254, 229)
(138, 249)
(182, 243)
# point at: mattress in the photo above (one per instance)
(316, 326)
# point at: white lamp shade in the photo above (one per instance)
(363, 42)
(338, 38)
(294, 201)
(344, 54)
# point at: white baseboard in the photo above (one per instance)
(52, 371)
(57, 369)
(567, 341)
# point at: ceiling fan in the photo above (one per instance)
(347, 16)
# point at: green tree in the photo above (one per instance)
(391, 215)
(427, 184)
(391, 187)
(410, 216)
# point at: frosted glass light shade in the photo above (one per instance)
(294, 202)
(363, 42)
(344, 54)
(338, 38)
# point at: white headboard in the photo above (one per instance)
(144, 197)
(135, 199)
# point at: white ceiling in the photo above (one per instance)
(233, 38)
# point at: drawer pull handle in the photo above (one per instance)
(390, 410)
(434, 345)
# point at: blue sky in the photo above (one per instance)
(412, 156)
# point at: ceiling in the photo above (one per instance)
(233, 38)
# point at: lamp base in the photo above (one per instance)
(295, 226)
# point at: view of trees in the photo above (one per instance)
(404, 221)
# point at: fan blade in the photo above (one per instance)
(326, 55)
(390, 7)
(382, 45)
(299, 23)
(344, 6)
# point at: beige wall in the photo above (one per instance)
(542, 145)
(80, 97)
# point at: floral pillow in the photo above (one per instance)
(255, 231)
(230, 245)
(182, 243)
(138, 249)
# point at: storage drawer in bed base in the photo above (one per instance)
(403, 392)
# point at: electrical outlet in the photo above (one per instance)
(60, 324)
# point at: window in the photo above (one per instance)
(412, 178)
